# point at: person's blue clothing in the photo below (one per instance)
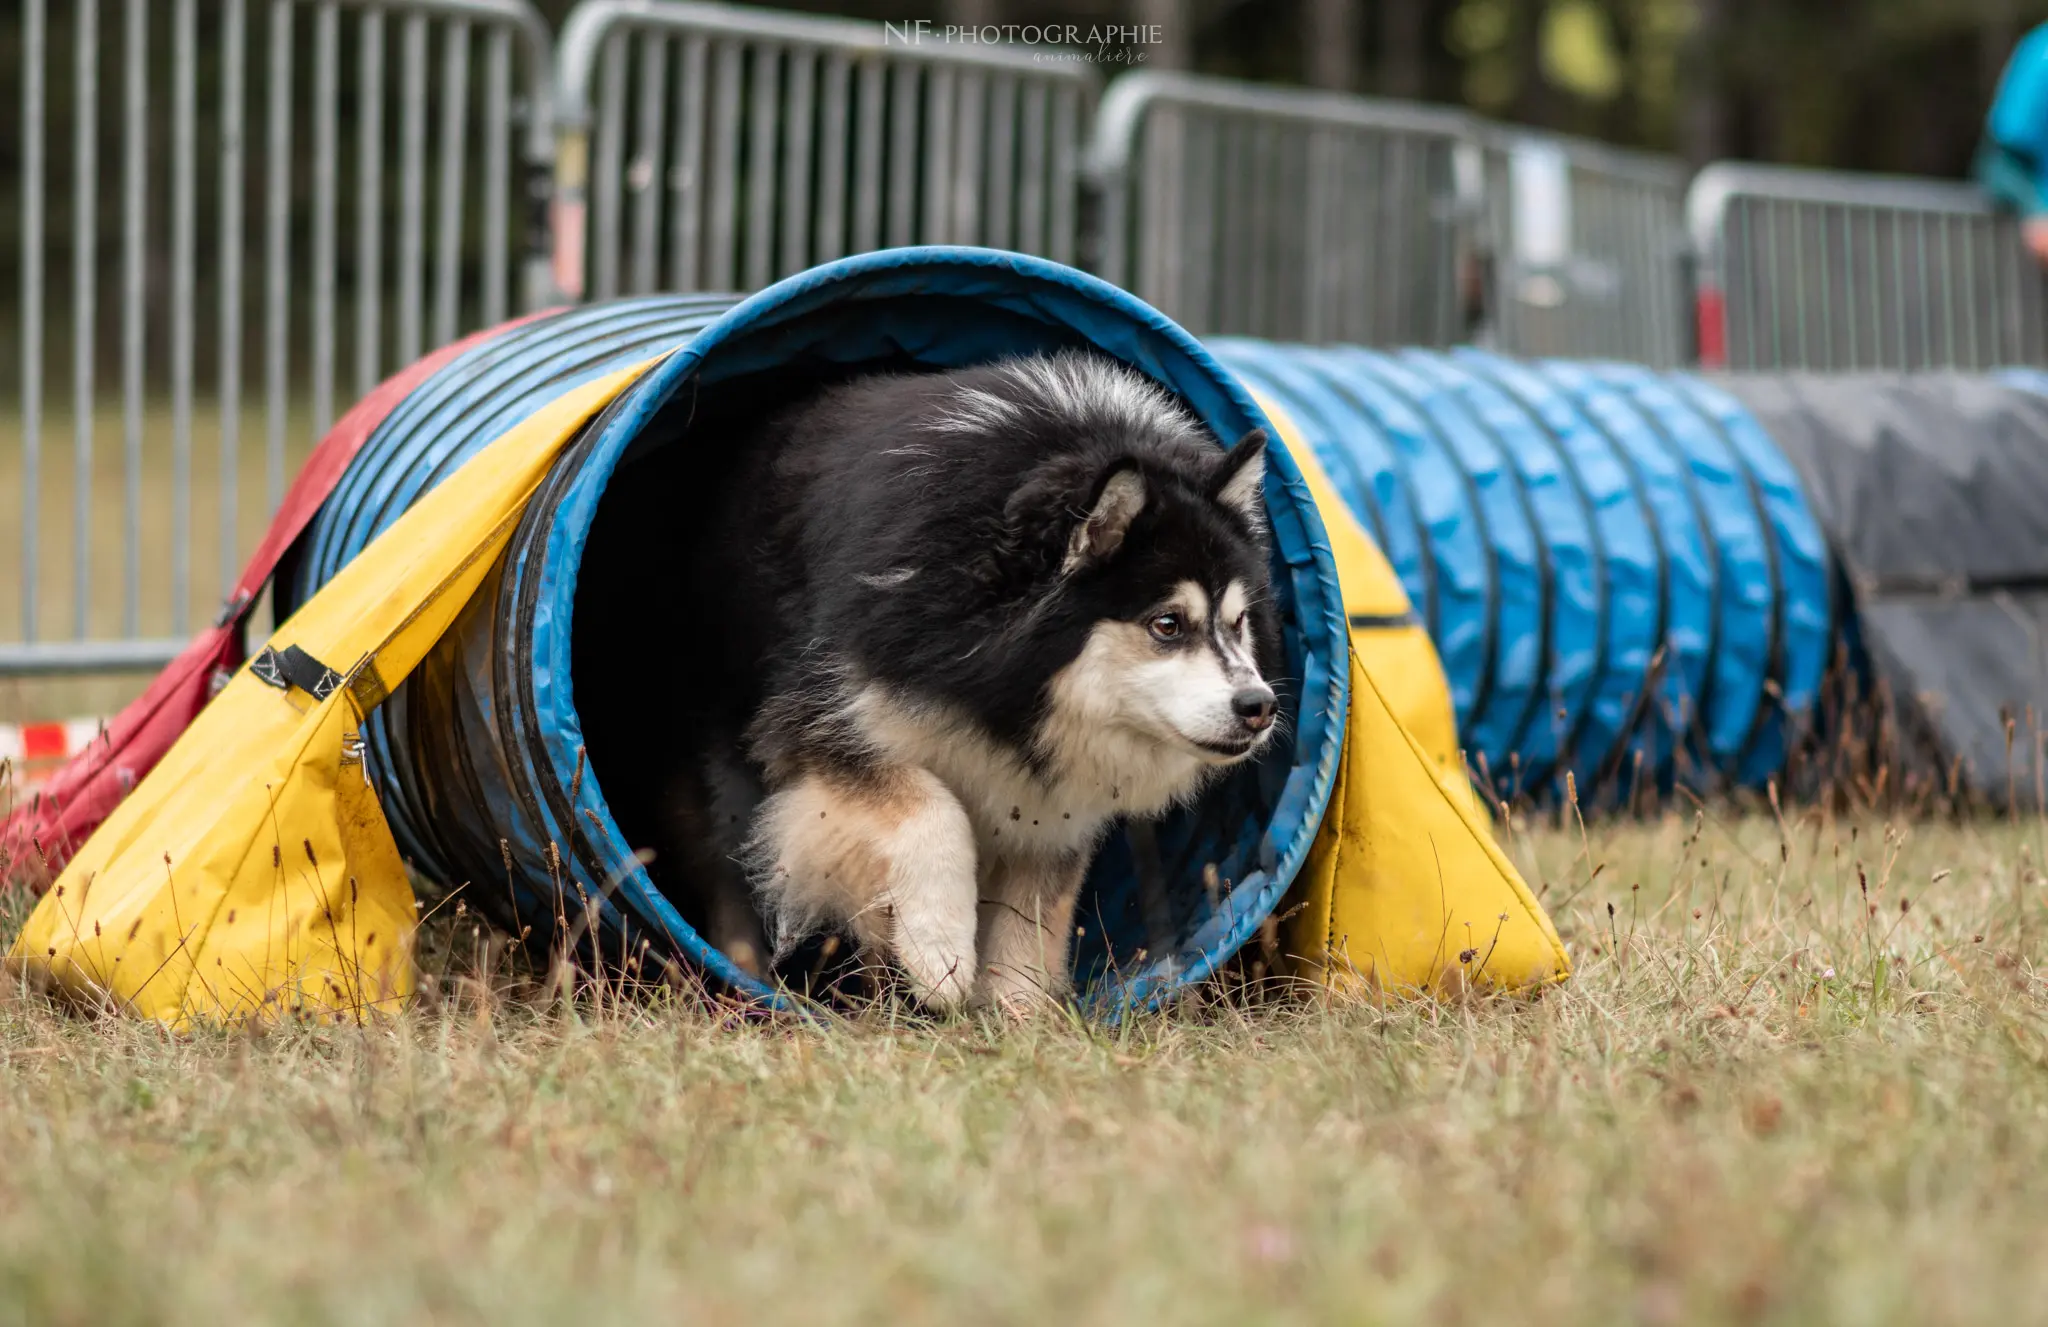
(2012, 181)
(2012, 164)
(2019, 109)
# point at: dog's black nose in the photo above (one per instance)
(1254, 705)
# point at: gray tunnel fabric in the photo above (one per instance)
(1933, 490)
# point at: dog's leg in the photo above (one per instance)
(1027, 932)
(891, 853)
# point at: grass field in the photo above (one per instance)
(1800, 1075)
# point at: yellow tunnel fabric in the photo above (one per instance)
(1405, 888)
(252, 874)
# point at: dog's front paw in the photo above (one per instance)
(933, 942)
(892, 853)
(945, 992)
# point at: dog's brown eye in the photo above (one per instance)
(1237, 627)
(1167, 626)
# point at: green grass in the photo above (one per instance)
(1798, 1077)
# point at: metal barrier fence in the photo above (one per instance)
(1802, 269)
(759, 144)
(250, 271)
(1277, 212)
(1588, 249)
(295, 196)
(1282, 213)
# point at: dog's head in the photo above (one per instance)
(1151, 556)
(1171, 570)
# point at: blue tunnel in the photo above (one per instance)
(1619, 568)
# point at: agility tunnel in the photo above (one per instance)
(1623, 573)
(467, 683)
(1626, 574)
(1631, 573)
(516, 747)
(1619, 569)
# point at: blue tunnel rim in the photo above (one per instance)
(1184, 365)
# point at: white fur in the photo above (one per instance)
(1236, 599)
(972, 410)
(1162, 710)
(897, 862)
(1013, 809)
(1086, 387)
(1027, 927)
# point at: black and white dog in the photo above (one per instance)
(955, 625)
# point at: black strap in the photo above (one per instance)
(293, 667)
(1370, 621)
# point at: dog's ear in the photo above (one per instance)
(1118, 500)
(1240, 479)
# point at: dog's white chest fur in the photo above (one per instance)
(1021, 812)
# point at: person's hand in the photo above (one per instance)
(2034, 230)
